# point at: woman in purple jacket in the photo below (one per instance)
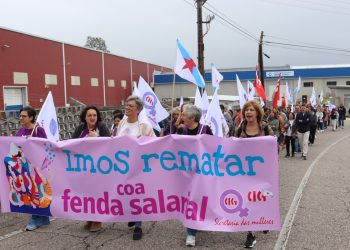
(30, 129)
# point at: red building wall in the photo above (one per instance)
(38, 56)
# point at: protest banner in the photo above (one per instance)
(206, 182)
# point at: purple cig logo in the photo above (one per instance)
(150, 101)
(231, 202)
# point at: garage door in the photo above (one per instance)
(14, 98)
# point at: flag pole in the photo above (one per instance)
(172, 103)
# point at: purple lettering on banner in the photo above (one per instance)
(222, 184)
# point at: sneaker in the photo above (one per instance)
(137, 235)
(95, 226)
(287, 156)
(251, 241)
(131, 224)
(304, 157)
(31, 227)
(191, 241)
(37, 221)
(87, 225)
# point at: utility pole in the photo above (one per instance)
(200, 3)
(260, 59)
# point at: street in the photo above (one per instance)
(314, 203)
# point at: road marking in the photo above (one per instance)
(283, 237)
(6, 236)
(9, 235)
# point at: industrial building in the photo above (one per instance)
(333, 80)
(31, 66)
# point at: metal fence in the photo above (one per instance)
(68, 119)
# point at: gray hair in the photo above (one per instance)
(139, 102)
(193, 111)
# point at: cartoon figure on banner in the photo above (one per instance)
(30, 191)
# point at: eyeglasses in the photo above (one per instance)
(130, 106)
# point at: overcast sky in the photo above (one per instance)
(147, 30)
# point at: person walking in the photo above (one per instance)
(133, 127)
(302, 123)
(252, 126)
(31, 129)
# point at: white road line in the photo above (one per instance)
(283, 237)
(9, 235)
(6, 236)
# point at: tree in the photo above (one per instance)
(96, 43)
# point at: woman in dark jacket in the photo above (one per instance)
(91, 126)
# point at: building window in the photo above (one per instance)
(94, 82)
(20, 78)
(123, 84)
(50, 79)
(75, 80)
(347, 82)
(111, 83)
(331, 83)
(308, 84)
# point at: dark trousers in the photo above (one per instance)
(312, 133)
(320, 125)
(289, 140)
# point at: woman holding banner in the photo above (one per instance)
(30, 129)
(252, 126)
(133, 127)
(91, 126)
(191, 116)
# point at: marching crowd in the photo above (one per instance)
(294, 130)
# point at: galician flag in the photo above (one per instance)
(288, 94)
(154, 109)
(297, 89)
(186, 68)
(321, 96)
(243, 96)
(47, 119)
(250, 90)
(216, 77)
(313, 98)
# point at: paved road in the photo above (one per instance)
(315, 206)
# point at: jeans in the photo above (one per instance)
(304, 141)
(191, 231)
(38, 220)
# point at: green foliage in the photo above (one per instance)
(96, 43)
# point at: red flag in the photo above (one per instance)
(258, 86)
(276, 93)
(284, 104)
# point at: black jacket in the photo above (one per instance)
(302, 122)
(102, 128)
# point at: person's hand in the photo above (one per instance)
(93, 133)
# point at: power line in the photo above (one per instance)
(225, 16)
(303, 7)
(235, 27)
(312, 44)
(230, 23)
(307, 50)
(307, 46)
